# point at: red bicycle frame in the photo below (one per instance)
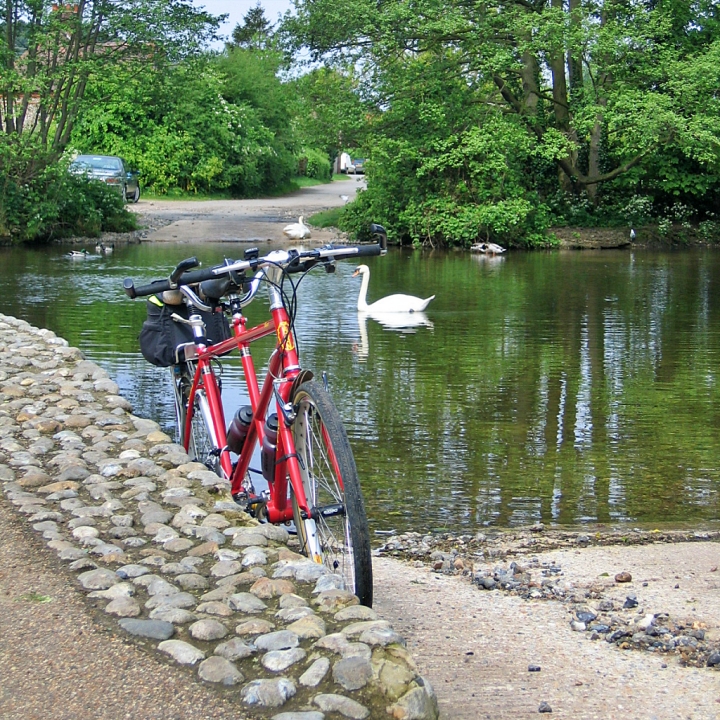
(280, 380)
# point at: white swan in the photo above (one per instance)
(297, 231)
(389, 304)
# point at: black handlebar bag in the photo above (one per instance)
(161, 335)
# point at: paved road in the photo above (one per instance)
(244, 220)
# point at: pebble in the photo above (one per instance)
(156, 541)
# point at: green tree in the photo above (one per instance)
(177, 127)
(331, 114)
(256, 30)
(49, 53)
(598, 88)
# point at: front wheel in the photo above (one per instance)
(202, 446)
(338, 536)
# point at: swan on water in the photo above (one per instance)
(391, 303)
(297, 231)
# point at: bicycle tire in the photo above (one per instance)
(329, 478)
(202, 447)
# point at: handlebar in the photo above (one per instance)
(289, 260)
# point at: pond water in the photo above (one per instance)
(563, 387)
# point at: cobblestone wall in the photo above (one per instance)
(159, 544)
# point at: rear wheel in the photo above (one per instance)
(338, 536)
(136, 195)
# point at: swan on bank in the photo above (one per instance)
(297, 231)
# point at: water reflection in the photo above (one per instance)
(562, 387)
(404, 322)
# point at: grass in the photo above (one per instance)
(327, 218)
(36, 597)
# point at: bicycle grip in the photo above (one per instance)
(158, 286)
(369, 250)
(183, 266)
(154, 287)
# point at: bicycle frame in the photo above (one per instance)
(280, 380)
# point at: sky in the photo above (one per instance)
(237, 9)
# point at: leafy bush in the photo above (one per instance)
(318, 165)
(41, 200)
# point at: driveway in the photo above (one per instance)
(242, 220)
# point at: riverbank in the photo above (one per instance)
(166, 560)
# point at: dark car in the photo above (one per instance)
(357, 165)
(111, 170)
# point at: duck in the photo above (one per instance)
(297, 231)
(390, 304)
(78, 253)
(104, 249)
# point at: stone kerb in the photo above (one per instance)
(156, 541)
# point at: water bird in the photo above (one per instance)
(632, 234)
(104, 249)
(390, 304)
(78, 253)
(345, 199)
(297, 231)
(488, 248)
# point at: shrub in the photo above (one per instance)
(40, 200)
(318, 165)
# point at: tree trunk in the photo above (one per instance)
(574, 59)
(560, 104)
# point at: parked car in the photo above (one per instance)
(356, 166)
(111, 170)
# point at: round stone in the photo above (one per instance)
(280, 640)
(125, 607)
(234, 649)
(207, 629)
(182, 652)
(219, 670)
(314, 675)
(246, 602)
(352, 673)
(156, 629)
(268, 693)
(345, 706)
(177, 616)
(100, 579)
(279, 660)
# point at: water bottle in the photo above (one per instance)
(238, 430)
(269, 444)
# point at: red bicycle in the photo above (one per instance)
(195, 318)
